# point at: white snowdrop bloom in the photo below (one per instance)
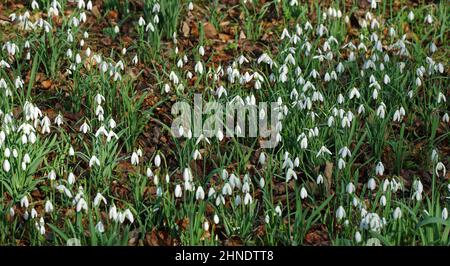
(6, 165)
(100, 227)
(52, 175)
(226, 189)
(381, 111)
(350, 188)
(245, 187)
(99, 199)
(128, 215)
(319, 180)
(397, 214)
(371, 184)
(7, 152)
(304, 142)
(34, 5)
(303, 193)
(344, 152)
(446, 118)
(386, 184)
(441, 97)
(157, 160)
(211, 192)
(411, 16)
(379, 169)
(48, 206)
(178, 191)
(340, 213)
(199, 67)
(429, 19)
(341, 164)
(248, 199)
(81, 205)
(141, 22)
(201, 50)
(197, 155)
(358, 237)
(371, 221)
(206, 226)
(59, 120)
(323, 150)
(113, 214)
(200, 193)
(216, 219)
(71, 178)
(237, 200)
(134, 158)
(190, 6)
(278, 210)
(85, 128)
(440, 167)
(290, 173)
(262, 158)
(262, 182)
(94, 161)
(444, 214)
(24, 203)
(383, 201)
(354, 93)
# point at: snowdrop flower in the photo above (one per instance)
(6, 166)
(52, 175)
(397, 213)
(444, 214)
(71, 178)
(371, 184)
(341, 163)
(113, 214)
(128, 215)
(141, 22)
(372, 222)
(48, 206)
(358, 237)
(379, 169)
(134, 159)
(319, 180)
(248, 199)
(340, 213)
(34, 5)
(190, 6)
(383, 200)
(157, 160)
(303, 193)
(94, 160)
(322, 151)
(100, 227)
(440, 167)
(178, 191)
(446, 118)
(216, 219)
(290, 173)
(59, 120)
(429, 19)
(411, 16)
(81, 205)
(99, 199)
(24, 203)
(278, 210)
(199, 67)
(350, 188)
(85, 128)
(262, 158)
(200, 193)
